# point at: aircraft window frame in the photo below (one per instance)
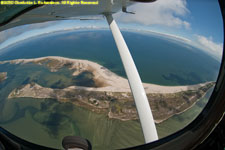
(187, 137)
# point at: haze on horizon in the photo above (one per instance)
(188, 21)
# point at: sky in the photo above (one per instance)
(198, 21)
(179, 16)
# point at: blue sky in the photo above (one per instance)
(199, 21)
(191, 16)
(205, 19)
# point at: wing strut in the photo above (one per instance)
(141, 101)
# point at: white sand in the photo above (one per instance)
(110, 80)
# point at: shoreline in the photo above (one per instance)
(112, 91)
(162, 120)
(39, 92)
(111, 81)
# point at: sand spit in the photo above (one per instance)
(111, 94)
(107, 80)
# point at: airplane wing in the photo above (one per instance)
(15, 15)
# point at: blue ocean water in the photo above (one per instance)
(159, 60)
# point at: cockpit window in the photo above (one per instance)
(65, 76)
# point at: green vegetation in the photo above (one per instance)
(108, 119)
(119, 105)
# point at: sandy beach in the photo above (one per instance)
(108, 80)
(165, 101)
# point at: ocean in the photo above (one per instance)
(158, 60)
(46, 121)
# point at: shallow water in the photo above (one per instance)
(47, 121)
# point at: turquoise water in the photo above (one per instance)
(158, 60)
(47, 121)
